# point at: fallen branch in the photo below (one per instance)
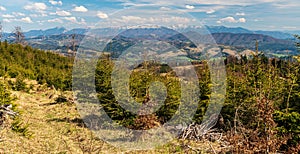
(4, 111)
(7, 109)
(199, 132)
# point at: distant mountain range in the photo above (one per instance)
(238, 41)
(266, 43)
(269, 41)
(239, 30)
(211, 29)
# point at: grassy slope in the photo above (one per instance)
(57, 128)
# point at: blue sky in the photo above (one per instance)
(281, 15)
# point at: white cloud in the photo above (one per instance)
(165, 8)
(6, 20)
(289, 27)
(43, 14)
(63, 13)
(240, 14)
(227, 19)
(102, 15)
(55, 2)
(190, 7)
(243, 20)
(287, 4)
(26, 19)
(75, 20)
(72, 19)
(205, 2)
(13, 15)
(210, 11)
(7, 16)
(40, 22)
(131, 18)
(82, 21)
(36, 6)
(52, 13)
(55, 20)
(33, 15)
(80, 9)
(231, 20)
(2, 8)
(18, 14)
(137, 20)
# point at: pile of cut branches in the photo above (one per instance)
(203, 131)
(6, 111)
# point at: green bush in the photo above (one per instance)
(20, 85)
(139, 84)
(288, 125)
(5, 95)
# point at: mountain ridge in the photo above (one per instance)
(211, 29)
(59, 38)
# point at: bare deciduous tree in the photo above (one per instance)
(19, 35)
(71, 44)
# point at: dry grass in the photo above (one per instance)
(57, 128)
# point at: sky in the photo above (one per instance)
(283, 15)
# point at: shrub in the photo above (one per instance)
(288, 124)
(5, 95)
(20, 85)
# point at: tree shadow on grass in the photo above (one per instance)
(77, 121)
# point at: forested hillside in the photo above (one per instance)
(261, 112)
(22, 62)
